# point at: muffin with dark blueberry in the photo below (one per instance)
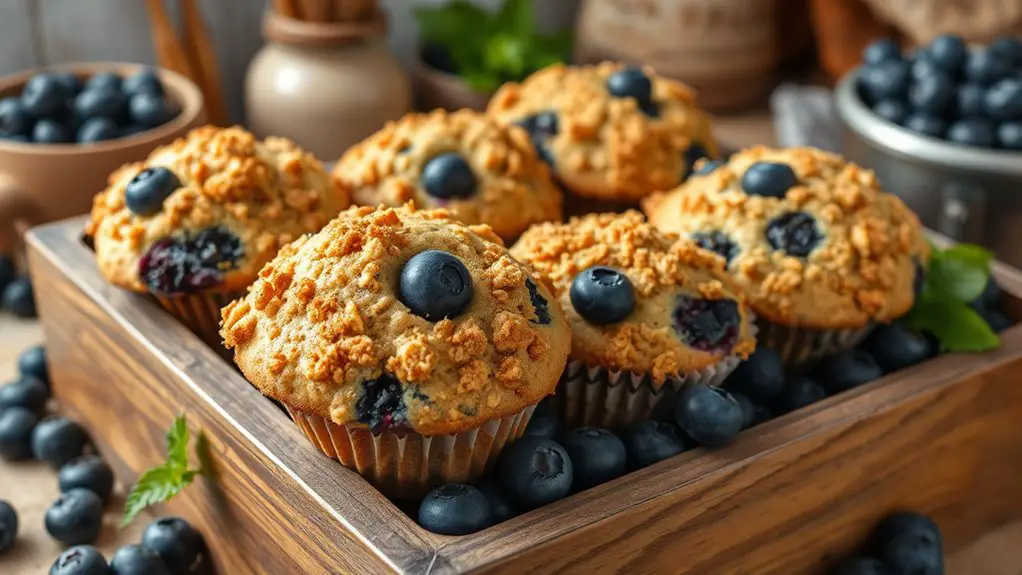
(611, 133)
(822, 253)
(647, 314)
(463, 162)
(407, 345)
(194, 223)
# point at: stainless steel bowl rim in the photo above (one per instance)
(907, 145)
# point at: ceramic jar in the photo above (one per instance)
(327, 86)
(728, 50)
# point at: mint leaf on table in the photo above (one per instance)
(163, 482)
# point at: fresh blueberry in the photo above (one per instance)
(761, 414)
(650, 441)
(541, 127)
(846, 370)
(500, 509)
(14, 119)
(19, 299)
(16, 425)
(708, 167)
(926, 125)
(761, 377)
(534, 471)
(455, 509)
(932, 95)
(1003, 100)
(137, 560)
(1009, 135)
(632, 82)
(7, 271)
(104, 81)
(972, 132)
(32, 362)
(177, 543)
(748, 409)
(924, 65)
(146, 192)
(8, 526)
(97, 130)
(87, 472)
(99, 104)
(149, 110)
(997, 321)
(49, 132)
(597, 456)
(448, 176)
(26, 392)
(881, 51)
(771, 179)
(14, 138)
(75, 517)
(80, 560)
(132, 129)
(910, 543)
(894, 346)
(145, 81)
(693, 154)
(862, 565)
(602, 295)
(884, 81)
(894, 111)
(717, 242)
(990, 298)
(382, 404)
(1008, 48)
(709, 415)
(435, 285)
(984, 66)
(795, 233)
(187, 264)
(544, 422)
(969, 101)
(707, 325)
(539, 303)
(949, 52)
(72, 85)
(797, 393)
(57, 440)
(43, 95)
(919, 277)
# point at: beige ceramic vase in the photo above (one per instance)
(325, 85)
(728, 50)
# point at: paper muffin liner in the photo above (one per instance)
(802, 347)
(405, 464)
(201, 313)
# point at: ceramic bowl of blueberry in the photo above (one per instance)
(64, 130)
(942, 128)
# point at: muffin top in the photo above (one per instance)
(205, 213)
(611, 132)
(812, 239)
(463, 162)
(637, 299)
(403, 319)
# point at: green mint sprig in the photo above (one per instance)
(163, 482)
(957, 276)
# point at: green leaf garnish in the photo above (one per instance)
(163, 482)
(956, 276)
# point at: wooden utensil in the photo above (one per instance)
(170, 54)
(202, 55)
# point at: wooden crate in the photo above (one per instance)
(784, 498)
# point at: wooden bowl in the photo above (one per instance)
(41, 183)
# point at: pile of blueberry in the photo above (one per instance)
(170, 546)
(946, 90)
(57, 108)
(16, 294)
(903, 543)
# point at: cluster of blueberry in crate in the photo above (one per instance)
(906, 542)
(549, 463)
(170, 546)
(16, 295)
(945, 90)
(58, 108)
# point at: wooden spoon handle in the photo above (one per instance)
(169, 52)
(202, 56)
(315, 10)
(287, 8)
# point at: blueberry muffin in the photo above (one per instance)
(405, 344)
(820, 250)
(612, 133)
(463, 162)
(195, 222)
(648, 314)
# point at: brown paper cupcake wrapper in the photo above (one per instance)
(200, 313)
(801, 347)
(407, 465)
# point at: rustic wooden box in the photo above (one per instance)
(785, 498)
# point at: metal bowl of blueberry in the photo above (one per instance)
(942, 128)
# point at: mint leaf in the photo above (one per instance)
(956, 325)
(164, 481)
(961, 280)
(971, 254)
(451, 25)
(517, 16)
(507, 55)
(177, 443)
